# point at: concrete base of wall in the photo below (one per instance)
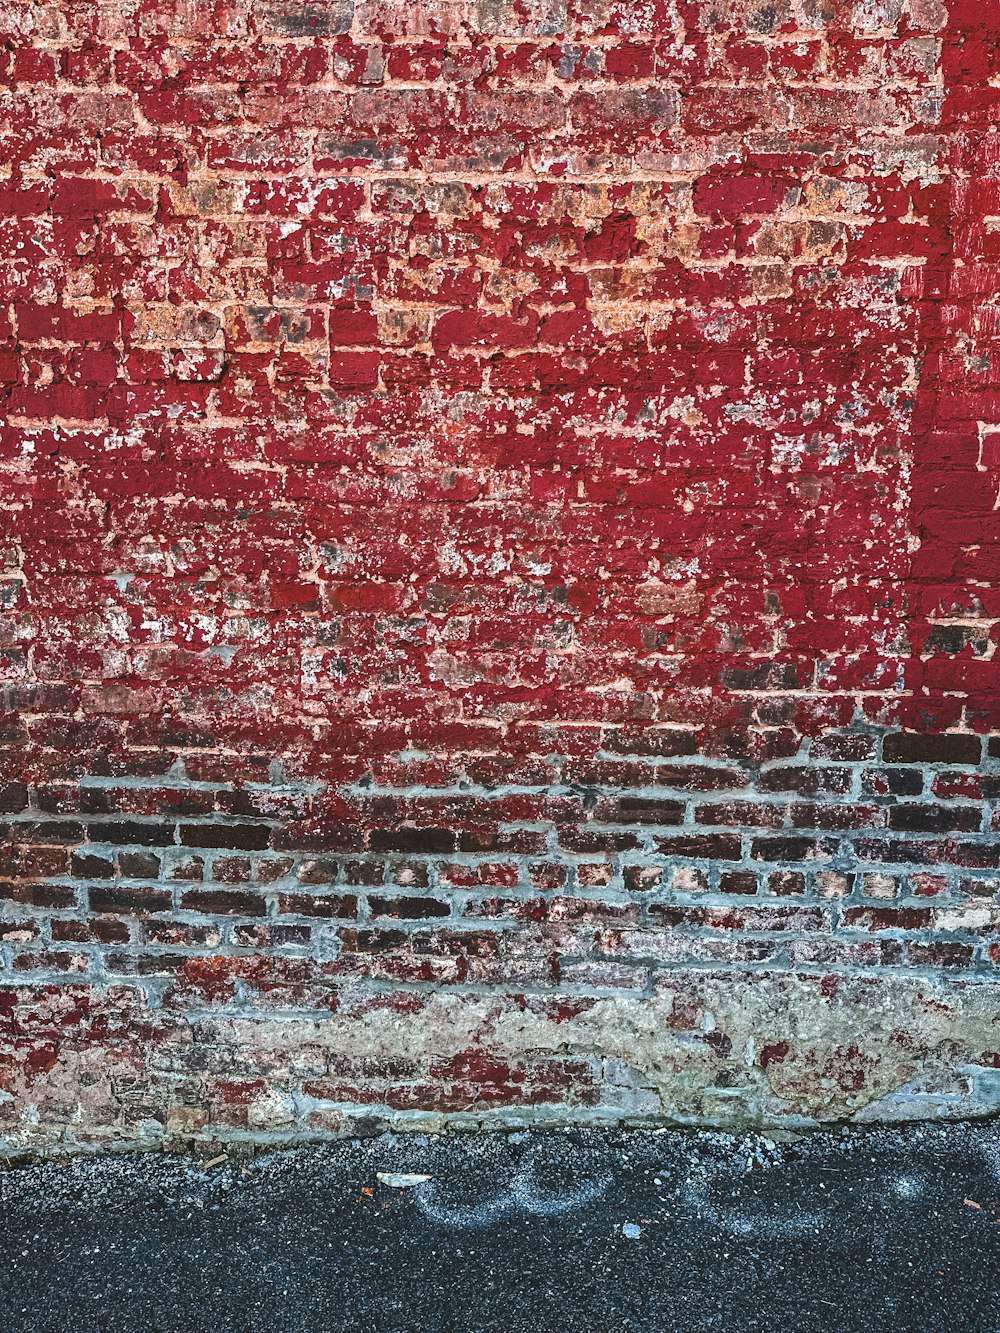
(90, 1069)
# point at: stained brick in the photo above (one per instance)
(128, 898)
(639, 810)
(793, 849)
(88, 866)
(935, 818)
(131, 832)
(738, 881)
(244, 837)
(913, 748)
(223, 902)
(407, 908)
(342, 905)
(707, 846)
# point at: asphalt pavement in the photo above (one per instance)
(577, 1231)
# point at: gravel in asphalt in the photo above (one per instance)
(577, 1231)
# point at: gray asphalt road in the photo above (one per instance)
(551, 1231)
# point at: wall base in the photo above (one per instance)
(93, 1069)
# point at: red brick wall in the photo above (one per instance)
(499, 562)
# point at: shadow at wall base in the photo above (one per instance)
(88, 1069)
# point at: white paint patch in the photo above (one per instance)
(747, 1220)
(990, 1153)
(401, 1180)
(523, 1196)
(908, 1187)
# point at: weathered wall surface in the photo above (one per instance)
(499, 548)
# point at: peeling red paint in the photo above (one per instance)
(502, 503)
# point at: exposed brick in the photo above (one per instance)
(793, 849)
(837, 817)
(412, 840)
(642, 878)
(939, 954)
(875, 885)
(406, 908)
(131, 831)
(139, 865)
(89, 932)
(935, 818)
(13, 797)
(231, 869)
(738, 881)
(41, 831)
(259, 936)
(916, 748)
(242, 837)
(128, 898)
(893, 850)
(893, 781)
(88, 866)
(639, 810)
(223, 902)
(591, 840)
(746, 814)
(364, 872)
(708, 846)
(659, 743)
(807, 781)
(886, 918)
(341, 905)
(782, 883)
(54, 896)
(985, 855)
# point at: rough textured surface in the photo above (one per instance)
(644, 1233)
(499, 563)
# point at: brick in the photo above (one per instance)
(893, 782)
(591, 841)
(139, 865)
(938, 954)
(412, 840)
(131, 832)
(13, 797)
(260, 936)
(642, 878)
(223, 902)
(910, 748)
(708, 846)
(935, 818)
(793, 849)
(89, 932)
(407, 908)
(738, 881)
(87, 866)
(55, 896)
(36, 832)
(665, 743)
(639, 810)
(782, 883)
(837, 817)
(887, 918)
(244, 837)
(809, 781)
(744, 814)
(338, 905)
(130, 898)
